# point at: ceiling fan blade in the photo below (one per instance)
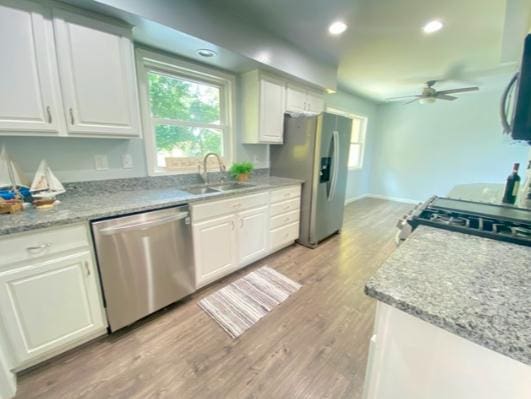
(440, 96)
(412, 101)
(461, 90)
(401, 98)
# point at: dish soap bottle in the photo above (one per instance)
(524, 198)
(511, 187)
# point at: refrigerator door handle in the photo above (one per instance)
(507, 128)
(335, 165)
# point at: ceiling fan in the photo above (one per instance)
(429, 94)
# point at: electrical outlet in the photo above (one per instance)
(101, 162)
(127, 161)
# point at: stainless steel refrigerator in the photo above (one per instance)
(315, 150)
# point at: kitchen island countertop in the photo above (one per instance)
(474, 287)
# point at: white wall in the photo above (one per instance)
(422, 150)
(358, 180)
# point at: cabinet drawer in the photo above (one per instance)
(284, 219)
(222, 207)
(285, 194)
(31, 245)
(284, 235)
(286, 206)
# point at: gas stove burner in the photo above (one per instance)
(449, 219)
(520, 231)
(498, 222)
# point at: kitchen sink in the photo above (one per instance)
(216, 188)
(232, 186)
(201, 190)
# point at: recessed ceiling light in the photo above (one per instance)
(433, 26)
(204, 52)
(337, 28)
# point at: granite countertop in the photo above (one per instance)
(79, 206)
(474, 287)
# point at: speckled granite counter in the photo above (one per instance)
(477, 288)
(78, 205)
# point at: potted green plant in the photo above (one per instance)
(241, 170)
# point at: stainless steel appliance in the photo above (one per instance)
(499, 222)
(516, 115)
(145, 261)
(315, 150)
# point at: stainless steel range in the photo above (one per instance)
(499, 222)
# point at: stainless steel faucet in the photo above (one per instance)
(222, 167)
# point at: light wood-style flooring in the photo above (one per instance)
(314, 345)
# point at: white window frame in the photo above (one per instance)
(362, 142)
(147, 61)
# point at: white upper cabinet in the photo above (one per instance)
(271, 110)
(315, 103)
(299, 99)
(30, 98)
(98, 80)
(295, 99)
(263, 108)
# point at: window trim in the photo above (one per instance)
(364, 122)
(146, 61)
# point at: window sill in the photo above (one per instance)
(355, 168)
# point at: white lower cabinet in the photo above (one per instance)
(214, 248)
(252, 235)
(49, 303)
(411, 358)
(232, 233)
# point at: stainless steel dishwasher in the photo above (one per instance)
(145, 261)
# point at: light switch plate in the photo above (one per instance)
(127, 161)
(101, 162)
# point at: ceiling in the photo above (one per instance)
(384, 52)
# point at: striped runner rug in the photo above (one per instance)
(239, 305)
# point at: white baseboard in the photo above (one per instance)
(352, 199)
(384, 197)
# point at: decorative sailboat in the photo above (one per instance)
(45, 186)
(13, 184)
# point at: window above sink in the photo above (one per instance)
(188, 112)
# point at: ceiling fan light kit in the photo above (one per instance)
(426, 100)
(429, 94)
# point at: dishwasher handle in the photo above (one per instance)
(144, 225)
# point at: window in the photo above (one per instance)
(187, 112)
(357, 138)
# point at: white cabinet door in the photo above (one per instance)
(98, 80)
(252, 235)
(295, 99)
(314, 103)
(29, 85)
(47, 306)
(215, 248)
(271, 111)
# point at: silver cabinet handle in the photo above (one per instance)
(232, 224)
(145, 225)
(87, 268)
(241, 223)
(72, 121)
(38, 248)
(49, 113)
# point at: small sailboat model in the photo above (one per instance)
(13, 184)
(45, 186)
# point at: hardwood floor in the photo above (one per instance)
(314, 345)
